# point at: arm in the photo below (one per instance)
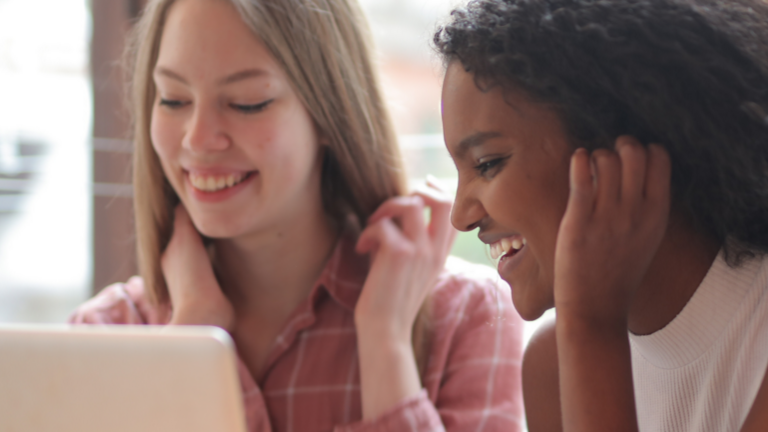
(119, 303)
(407, 257)
(541, 381)
(614, 222)
(757, 420)
(473, 379)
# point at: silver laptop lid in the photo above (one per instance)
(118, 378)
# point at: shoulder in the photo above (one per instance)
(468, 286)
(120, 303)
(477, 342)
(541, 385)
(469, 296)
(757, 419)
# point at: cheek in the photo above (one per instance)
(284, 151)
(165, 136)
(295, 143)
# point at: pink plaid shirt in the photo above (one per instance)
(472, 380)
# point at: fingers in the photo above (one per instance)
(181, 220)
(185, 245)
(608, 169)
(440, 203)
(629, 180)
(183, 229)
(582, 195)
(408, 211)
(383, 231)
(633, 167)
(400, 222)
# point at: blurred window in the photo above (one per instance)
(46, 147)
(45, 121)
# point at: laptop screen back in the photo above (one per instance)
(118, 378)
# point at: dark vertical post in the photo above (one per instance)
(113, 233)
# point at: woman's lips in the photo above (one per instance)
(215, 182)
(509, 251)
(215, 187)
(511, 260)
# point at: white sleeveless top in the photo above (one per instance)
(703, 370)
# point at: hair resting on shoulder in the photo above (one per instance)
(691, 75)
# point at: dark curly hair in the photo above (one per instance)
(691, 75)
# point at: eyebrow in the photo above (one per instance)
(237, 76)
(474, 140)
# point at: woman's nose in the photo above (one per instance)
(467, 210)
(206, 131)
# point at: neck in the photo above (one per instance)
(681, 263)
(272, 272)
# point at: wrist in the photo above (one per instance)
(578, 328)
(382, 333)
(388, 374)
(592, 313)
(190, 314)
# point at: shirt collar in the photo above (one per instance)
(344, 273)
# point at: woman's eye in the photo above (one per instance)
(170, 103)
(490, 167)
(249, 109)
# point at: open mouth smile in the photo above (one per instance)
(507, 247)
(217, 182)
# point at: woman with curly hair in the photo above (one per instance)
(614, 154)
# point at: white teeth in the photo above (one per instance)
(503, 246)
(214, 183)
(497, 250)
(525, 242)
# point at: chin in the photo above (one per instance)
(530, 314)
(529, 306)
(216, 228)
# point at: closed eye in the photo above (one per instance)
(171, 103)
(489, 168)
(250, 109)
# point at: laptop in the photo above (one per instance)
(118, 379)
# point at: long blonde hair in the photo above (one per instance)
(324, 48)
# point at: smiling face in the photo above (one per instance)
(513, 160)
(233, 138)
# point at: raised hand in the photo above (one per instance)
(195, 293)
(407, 255)
(615, 220)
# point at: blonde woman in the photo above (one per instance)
(270, 201)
